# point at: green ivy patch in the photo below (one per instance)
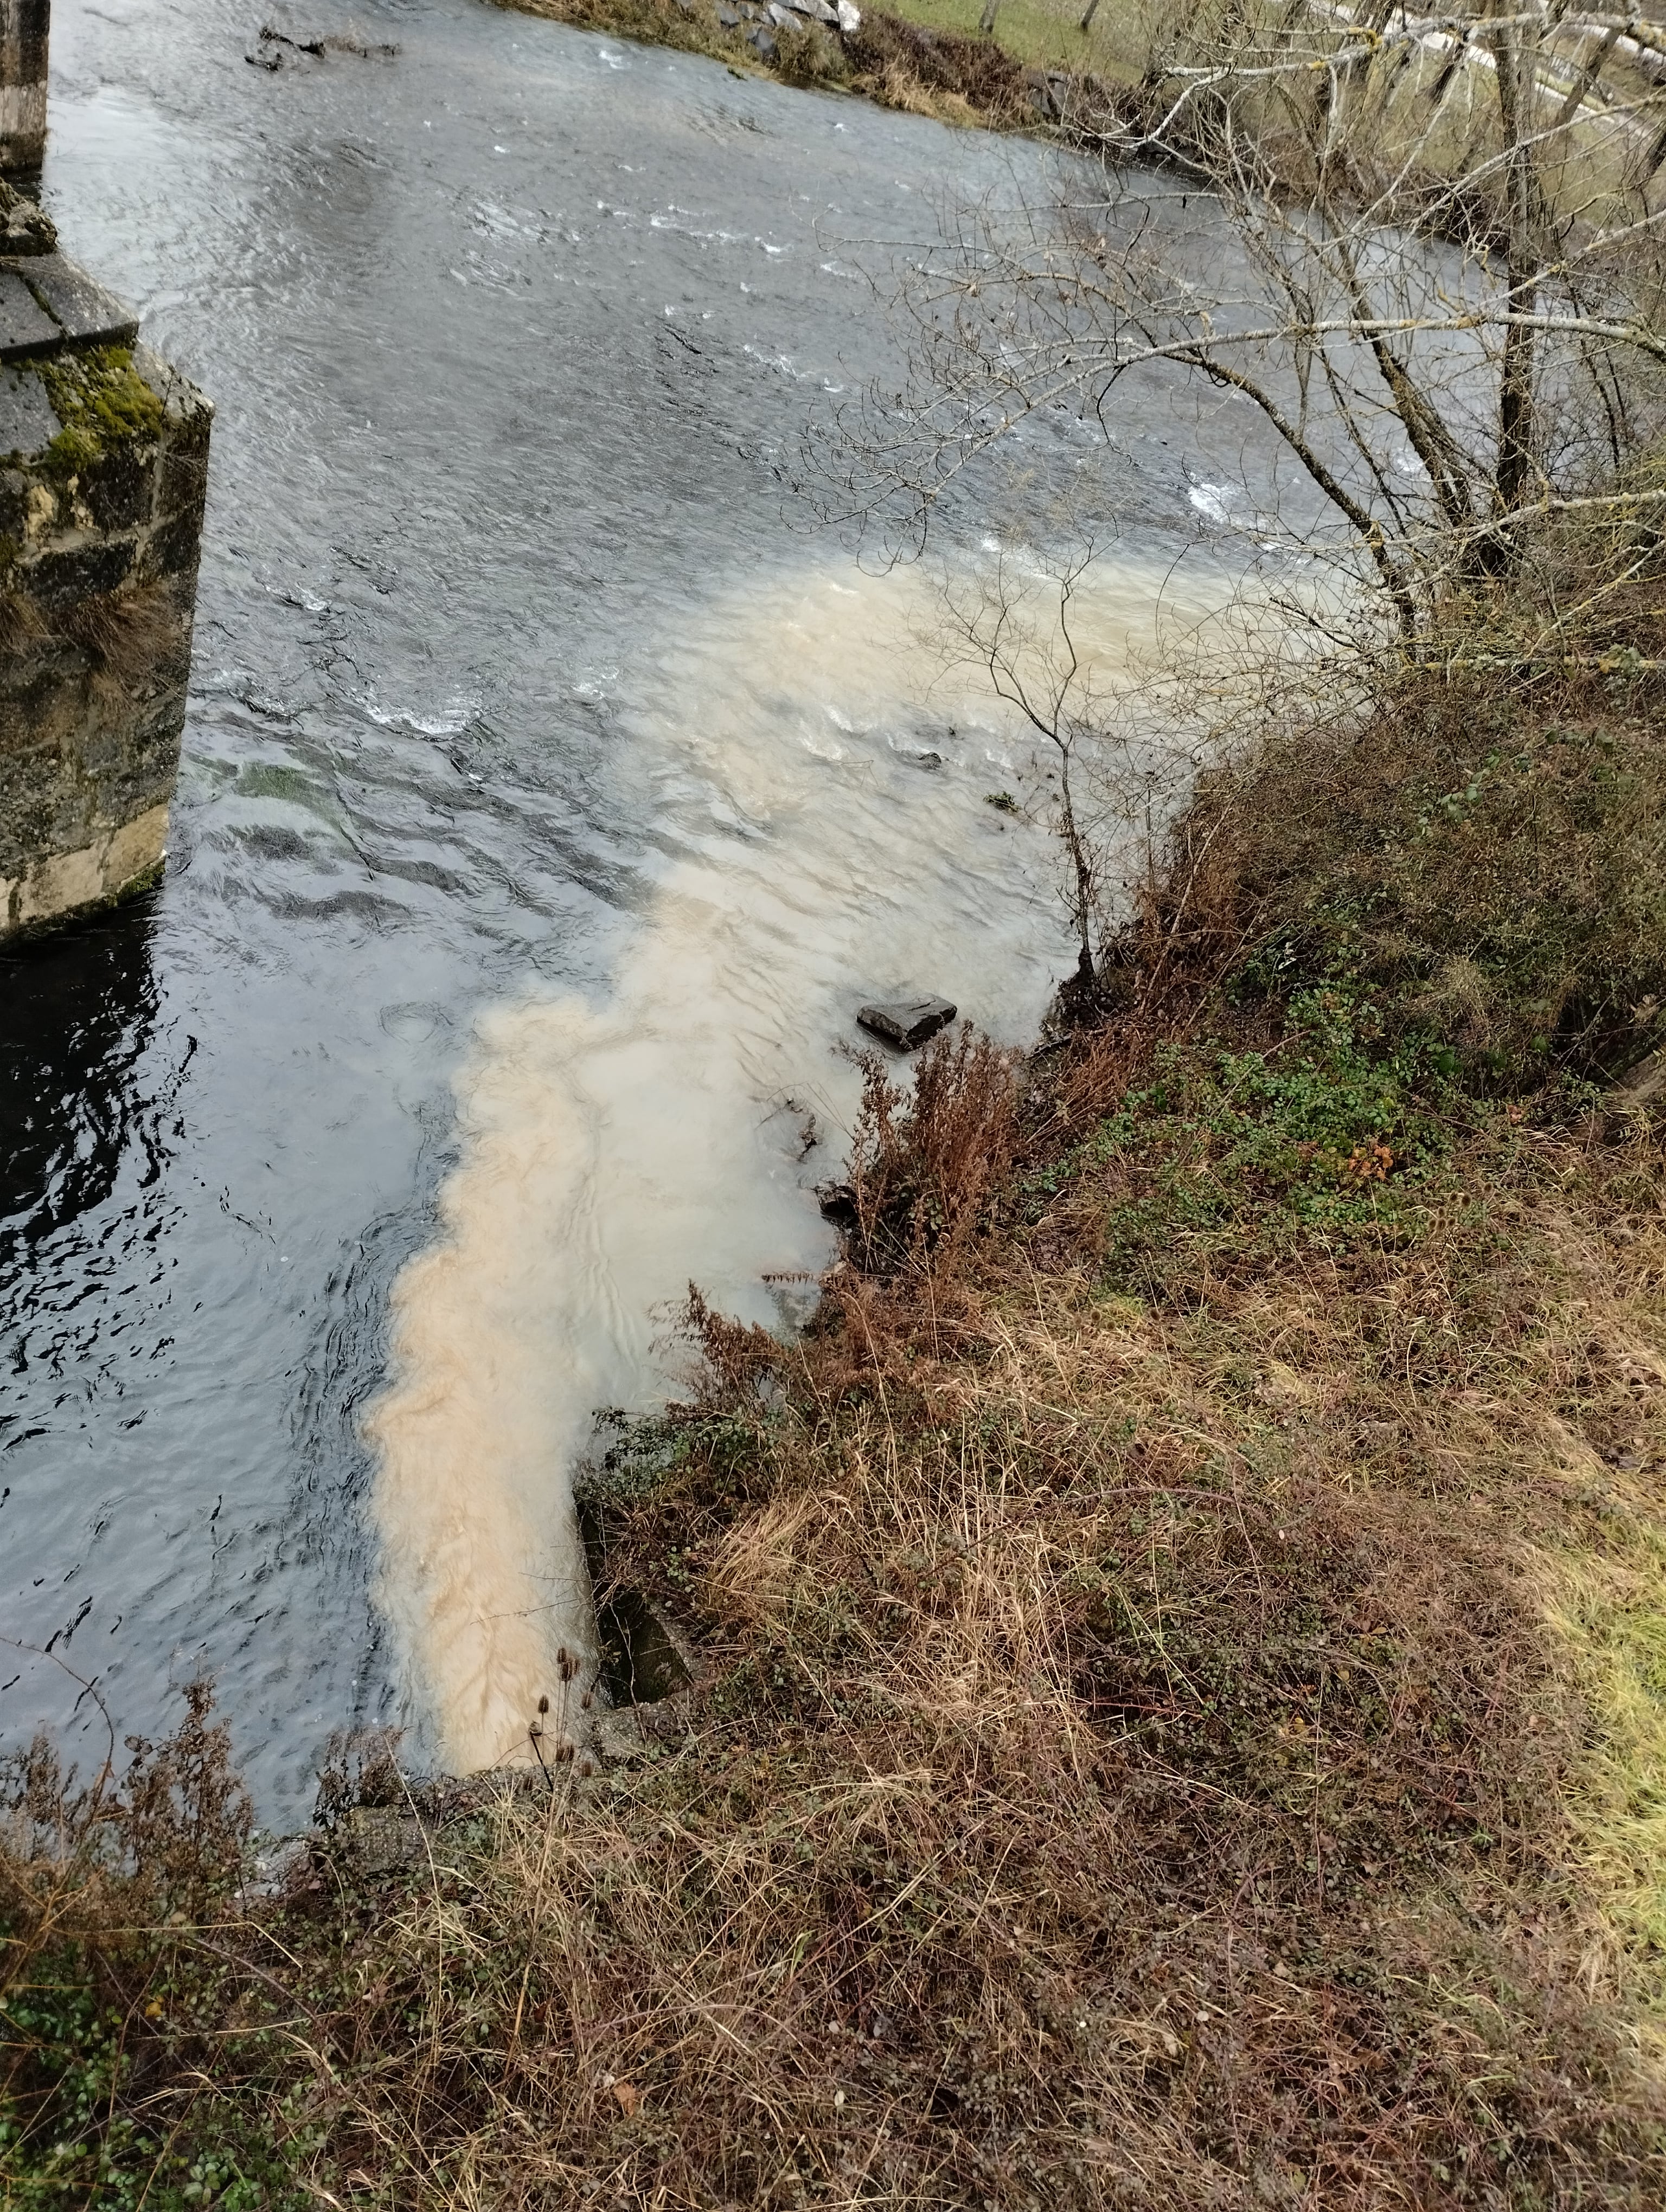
(1337, 1130)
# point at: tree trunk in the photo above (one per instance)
(1517, 76)
(1081, 862)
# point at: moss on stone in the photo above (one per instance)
(102, 401)
(146, 880)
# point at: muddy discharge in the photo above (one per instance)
(826, 838)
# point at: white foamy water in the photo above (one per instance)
(615, 1151)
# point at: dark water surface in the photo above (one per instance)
(510, 339)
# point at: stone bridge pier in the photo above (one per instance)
(23, 28)
(103, 473)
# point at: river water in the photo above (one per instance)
(552, 794)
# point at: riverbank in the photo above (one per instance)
(1178, 1710)
(921, 67)
(1126, 83)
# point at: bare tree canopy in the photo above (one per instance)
(1448, 322)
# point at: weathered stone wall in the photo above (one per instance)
(23, 31)
(103, 472)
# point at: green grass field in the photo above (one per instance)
(1042, 33)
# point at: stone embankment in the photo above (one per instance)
(103, 473)
(103, 470)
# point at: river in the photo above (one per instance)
(552, 794)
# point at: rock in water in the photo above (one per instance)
(907, 1023)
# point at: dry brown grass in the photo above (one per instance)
(926, 72)
(132, 635)
(1137, 1761)
(1135, 1766)
(128, 636)
(969, 81)
(1187, 1670)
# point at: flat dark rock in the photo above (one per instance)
(837, 1201)
(24, 328)
(907, 1023)
(87, 311)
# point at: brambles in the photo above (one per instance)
(810, 56)
(1473, 858)
(925, 1163)
(124, 2036)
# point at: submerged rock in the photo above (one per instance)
(908, 1023)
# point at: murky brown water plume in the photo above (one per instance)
(821, 786)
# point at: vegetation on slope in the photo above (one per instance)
(1181, 1701)
(924, 66)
